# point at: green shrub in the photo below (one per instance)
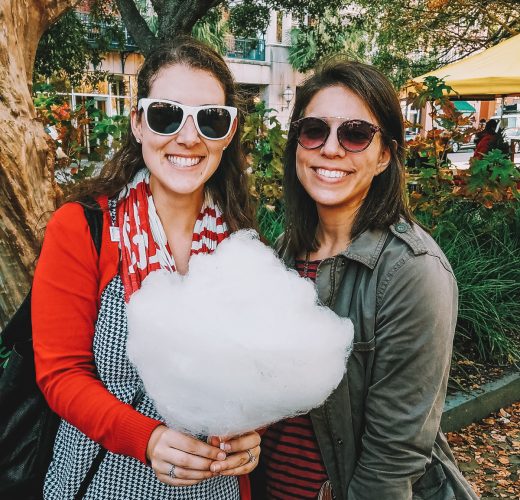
(81, 136)
(270, 222)
(264, 141)
(483, 247)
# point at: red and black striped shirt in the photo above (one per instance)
(294, 467)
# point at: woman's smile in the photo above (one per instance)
(328, 174)
(184, 161)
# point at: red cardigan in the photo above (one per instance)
(68, 283)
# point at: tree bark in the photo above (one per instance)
(179, 17)
(27, 188)
(136, 25)
(174, 17)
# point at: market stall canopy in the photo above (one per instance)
(491, 73)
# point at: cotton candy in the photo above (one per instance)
(237, 343)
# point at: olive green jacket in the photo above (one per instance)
(379, 431)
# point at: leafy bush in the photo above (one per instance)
(483, 247)
(494, 178)
(475, 217)
(67, 50)
(449, 124)
(270, 222)
(264, 141)
(79, 134)
(212, 29)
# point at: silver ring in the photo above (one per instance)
(172, 472)
(252, 458)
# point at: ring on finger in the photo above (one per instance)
(252, 458)
(171, 473)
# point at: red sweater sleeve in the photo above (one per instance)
(67, 283)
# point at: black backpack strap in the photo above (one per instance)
(94, 216)
(19, 328)
(83, 487)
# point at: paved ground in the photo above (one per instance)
(488, 453)
(461, 159)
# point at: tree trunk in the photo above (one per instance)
(28, 192)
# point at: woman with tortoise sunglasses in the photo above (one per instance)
(349, 230)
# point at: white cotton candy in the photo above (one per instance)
(237, 343)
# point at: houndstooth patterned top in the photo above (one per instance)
(119, 477)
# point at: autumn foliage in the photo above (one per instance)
(488, 453)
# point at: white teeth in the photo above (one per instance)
(330, 173)
(183, 161)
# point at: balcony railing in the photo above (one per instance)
(250, 49)
(95, 29)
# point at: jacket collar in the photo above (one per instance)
(367, 247)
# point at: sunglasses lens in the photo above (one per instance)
(214, 123)
(355, 135)
(312, 133)
(164, 118)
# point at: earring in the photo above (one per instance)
(138, 140)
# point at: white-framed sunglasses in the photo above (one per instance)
(165, 117)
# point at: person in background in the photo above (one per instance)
(176, 188)
(480, 130)
(348, 229)
(488, 140)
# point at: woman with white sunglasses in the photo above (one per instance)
(349, 230)
(176, 188)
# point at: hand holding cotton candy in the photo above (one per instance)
(237, 343)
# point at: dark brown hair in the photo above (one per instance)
(228, 185)
(385, 201)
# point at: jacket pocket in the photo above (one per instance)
(433, 485)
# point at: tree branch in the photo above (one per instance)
(488, 12)
(158, 5)
(179, 17)
(53, 9)
(136, 25)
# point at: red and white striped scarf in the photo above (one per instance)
(143, 243)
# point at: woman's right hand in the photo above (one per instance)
(180, 460)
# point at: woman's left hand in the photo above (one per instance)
(242, 451)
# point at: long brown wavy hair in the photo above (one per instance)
(228, 185)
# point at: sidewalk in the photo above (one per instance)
(464, 163)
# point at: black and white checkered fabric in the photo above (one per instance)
(119, 477)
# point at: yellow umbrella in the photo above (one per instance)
(490, 73)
